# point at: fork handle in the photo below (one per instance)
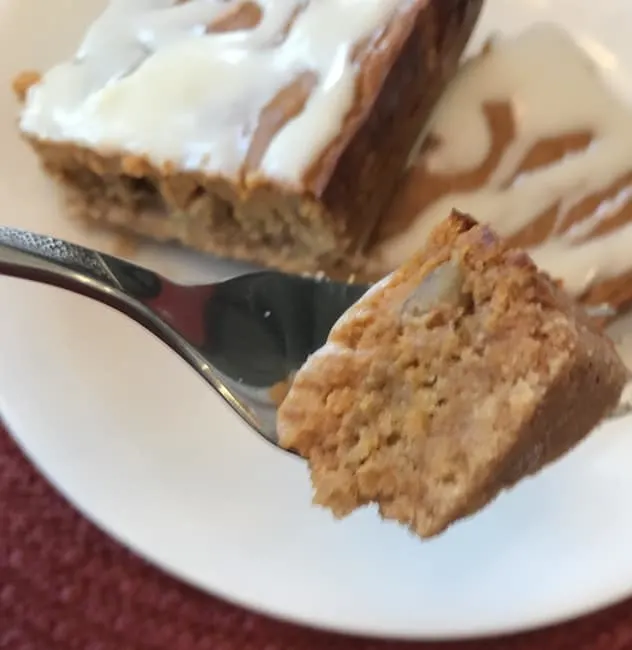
(140, 293)
(54, 261)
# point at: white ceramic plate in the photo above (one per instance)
(144, 448)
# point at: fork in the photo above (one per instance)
(246, 336)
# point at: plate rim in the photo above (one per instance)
(567, 615)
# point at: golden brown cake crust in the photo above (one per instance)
(327, 221)
(461, 373)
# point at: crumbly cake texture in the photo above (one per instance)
(285, 153)
(461, 373)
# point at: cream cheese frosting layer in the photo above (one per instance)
(186, 81)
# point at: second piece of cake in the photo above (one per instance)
(458, 375)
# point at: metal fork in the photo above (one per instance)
(246, 336)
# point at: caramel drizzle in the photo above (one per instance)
(287, 104)
(243, 16)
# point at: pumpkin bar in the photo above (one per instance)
(461, 373)
(533, 138)
(272, 131)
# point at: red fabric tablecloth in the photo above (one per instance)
(66, 586)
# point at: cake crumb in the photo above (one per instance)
(279, 391)
(125, 245)
(462, 373)
(24, 82)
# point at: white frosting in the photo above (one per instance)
(149, 80)
(553, 89)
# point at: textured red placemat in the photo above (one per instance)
(65, 586)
